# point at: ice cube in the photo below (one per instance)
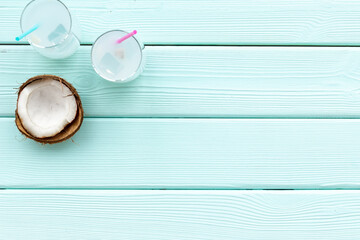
(120, 53)
(58, 34)
(110, 64)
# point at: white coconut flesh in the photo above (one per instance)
(46, 107)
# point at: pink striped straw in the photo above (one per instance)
(126, 36)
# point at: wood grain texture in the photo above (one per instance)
(107, 214)
(292, 82)
(209, 21)
(188, 153)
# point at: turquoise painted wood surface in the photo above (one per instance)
(283, 22)
(277, 82)
(297, 215)
(188, 153)
(194, 121)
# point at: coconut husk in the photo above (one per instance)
(69, 130)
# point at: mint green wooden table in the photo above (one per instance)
(244, 125)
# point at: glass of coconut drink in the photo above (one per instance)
(117, 56)
(50, 29)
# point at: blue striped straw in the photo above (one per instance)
(36, 26)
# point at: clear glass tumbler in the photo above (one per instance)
(117, 62)
(55, 36)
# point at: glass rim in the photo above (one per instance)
(62, 40)
(117, 80)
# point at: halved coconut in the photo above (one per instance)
(48, 109)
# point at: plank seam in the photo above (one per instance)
(213, 45)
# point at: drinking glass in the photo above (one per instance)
(57, 34)
(117, 62)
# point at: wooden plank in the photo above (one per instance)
(293, 82)
(109, 214)
(188, 154)
(209, 21)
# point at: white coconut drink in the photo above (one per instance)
(48, 109)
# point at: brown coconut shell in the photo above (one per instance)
(69, 130)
